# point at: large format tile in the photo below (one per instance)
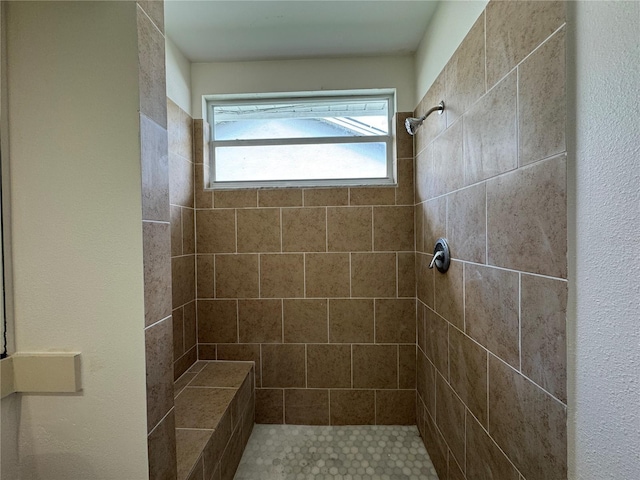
(491, 301)
(542, 101)
(242, 352)
(485, 460)
(161, 445)
(527, 423)
(306, 407)
(467, 223)
(260, 321)
(405, 189)
(349, 229)
(155, 171)
(393, 229)
(183, 279)
(222, 374)
(327, 274)
(322, 197)
(490, 136)
(450, 418)
(437, 342)
(465, 73)
(372, 196)
(395, 320)
(202, 407)
(305, 321)
(156, 239)
(282, 275)
(269, 406)
(280, 197)
(544, 339)
(151, 70)
(436, 123)
(328, 366)
(216, 231)
(468, 373)
(217, 321)
(373, 274)
(258, 230)
(304, 230)
(375, 366)
(159, 368)
(352, 407)
(180, 181)
(189, 446)
(448, 162)
(515, 29)
(235, 198)
(449, 297)
(351, 321)
(283, 366)
(236, 276)
(406, 274)
(527, 219)
(395, 407)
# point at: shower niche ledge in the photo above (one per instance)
(215, 412)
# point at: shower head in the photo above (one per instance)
(412, 124)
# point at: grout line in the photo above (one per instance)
(150, 19)
(486, 224)
(161, 420)
(281, 233)
(259, 275)
(282, 317)
(518, 159)
(326, 229)
(159, 321)
(487, 392)
(306, 375)
(237, 324)
(520, 319)
(485, 52)
(235, 212)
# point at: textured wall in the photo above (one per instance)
(491, 177)
(604, 372)
(317, 287)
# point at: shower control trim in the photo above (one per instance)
(441, 256)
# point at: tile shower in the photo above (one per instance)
(328, 290)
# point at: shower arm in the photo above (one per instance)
(412, 124)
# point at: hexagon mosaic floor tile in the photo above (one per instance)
(295, 452)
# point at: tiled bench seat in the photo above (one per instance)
(215, 410)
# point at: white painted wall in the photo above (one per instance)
(604, 246)
(77, 233)
(178, 76)
(304, 75)
(449, 25)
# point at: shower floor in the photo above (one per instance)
(295, 452)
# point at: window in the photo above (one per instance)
(302, 140)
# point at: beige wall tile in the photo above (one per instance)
(260, 321)
(537, 447)
(403, 141)
(465, 73)
(181, 178)
(162, 448)
(491, 302)
(305, 321)
(421, 314)
(373, 274)
(282, 276)
(235, 198)
(544, 340)
(406, 274)
(176, 231)
(155, 10)
(436, 123)
(352, 407)
(207, 351)
(182, 364)
(306, 407)
(202, 408)
(467, 223)
(322, 197)
(448, 163)
(436, 447)
(542, 101)
(329, 366)
(404, 191)
(236, 276)
(372, 196)
(468, 369)
(259, 230)
(534, 240)
(216, 231)
(395, 320)
(434, 223)
(437, 342)
(375, 366)
(202, 198)
(327, 274)
(177, 320)
(183, 275)
(425, 383)
(155, 171)
(425, 279)
(393, 229)
(349, 229)
(159, 367)
(514, 29)
(188, 232)
(449, 297)
(281, 197)
(450, 413)
(217, 321)
(424, 174)
(204, 281)
(244, 352)
(173, 126)
(484, 457)
(351, 321)
(407, 366)
(304, 230)
(283, 366)
(156, 239)
(270, 406)
(190, 325)
(151, 71)
(395, 407)
(490, 138)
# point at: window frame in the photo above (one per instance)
(388, 95)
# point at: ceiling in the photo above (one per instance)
(217, 31)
